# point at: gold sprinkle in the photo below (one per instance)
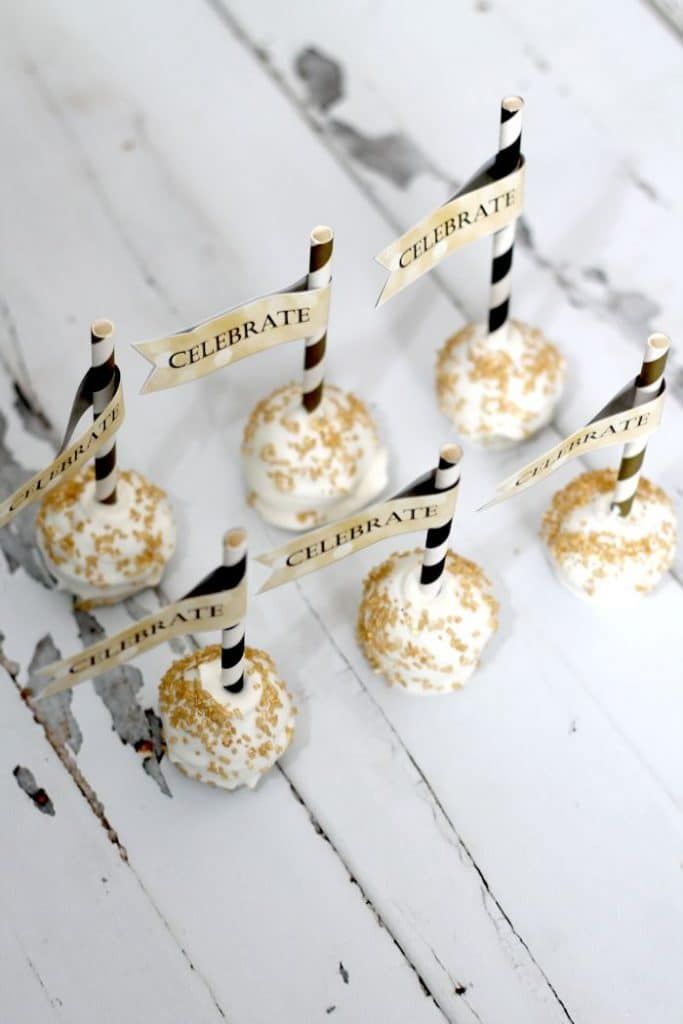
(497, 373)
(397, 635)
(69, 536)
(326, 447)
(194, 712)
(606, 552)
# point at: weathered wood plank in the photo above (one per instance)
(78, 929)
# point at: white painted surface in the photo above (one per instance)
(520, 842)
(78, 931)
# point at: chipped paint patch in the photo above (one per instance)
(54, 713)
(18, 538)
(322, 76)
(10, 667)
(26, 781)
(393, 156)
(118, 690)
(65, 732)
(32, 416)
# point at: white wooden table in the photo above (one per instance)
(513, 853)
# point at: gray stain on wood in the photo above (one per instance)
(118, 689)
(324, 77)
(26, 781)
(18, 538)
(54, 712)
(393, 155)
(10, 667)
(61, 730)
(32, 416)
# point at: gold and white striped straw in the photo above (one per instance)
(437, 541)
(648, 385)
(507, 160)
(319, 275)
(232, 643)
(102, 375)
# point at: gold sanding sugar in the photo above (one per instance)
(191, 709)
(331, 450)
(496, 369)
(60, 539)
(607, 546)
(380, 613)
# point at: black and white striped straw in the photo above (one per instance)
(319, 275)
(232, 646)
(507, 159)
(648, 385)
(437, 540)
(102, 374)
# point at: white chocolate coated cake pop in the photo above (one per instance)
(605, 558)
(103, 534)
(304, 469)
(426, 645)
(221, 738)
(103, 553)
(499, 392)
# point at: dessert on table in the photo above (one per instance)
(601, 556)
(426, 645)
(311, 452)
(105, 534)
(499, 390)
(103, 553)
(611, 536)
(305, 468)
(426, 615)
(227, 716)
(499, 382)
(222, 738)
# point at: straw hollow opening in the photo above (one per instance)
(512, 104)
(451, 453)
(235, 538)
(321, 235)
(659, 343)
(102, 329)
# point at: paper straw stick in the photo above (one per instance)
(507, 158)
(319, 275)
(436, 543)
(648, 383)
(102, 376)
(232, 645)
